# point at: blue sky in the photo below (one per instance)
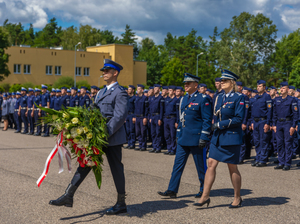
(150, 18)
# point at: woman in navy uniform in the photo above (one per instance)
(227, 138)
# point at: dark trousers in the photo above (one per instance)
(37, 122)
(114, 158)
(170, 133)
(130, 130)
(46, 128)
(182, 154)
(18, 121)
(141, 132)
(24, 120)
(156, 133)
(11, 120)
(30, 120)
(246, 146)
(284, 143)
(261, 141)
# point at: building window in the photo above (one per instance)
(78, 71)
(17, 68)
(57, 70)
(48, 70)
(86, 72)
(27, 69)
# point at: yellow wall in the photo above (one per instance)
(93, 58)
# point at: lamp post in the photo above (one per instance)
(99, 80)
(79, 43)
(197, 61)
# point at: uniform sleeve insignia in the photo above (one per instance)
(269, 105)
(206, 104)
(241, 103)
(295, 108)
(190, 105)
(247, 105)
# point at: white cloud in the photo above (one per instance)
(153, 18)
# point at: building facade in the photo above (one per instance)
(45, 66)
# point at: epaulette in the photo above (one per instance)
(239, 93)
(121, 88)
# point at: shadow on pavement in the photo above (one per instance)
(260, 201)
(137, 210)
(228, 192)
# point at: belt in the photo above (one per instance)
(30, 108)
(260, 118)
(36, 109)
(23, 108)
(139, 115)
(285, 119)
(154, 114)
(16, 109)
(168, 117)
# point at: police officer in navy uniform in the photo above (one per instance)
(261, 118)
(194, 128)
(112, 103)
(285, 119)
(84, 99)
(156, 119)
(65, 99)
(12, 110)
(52, 98)
(140, 118)
(16, 114)
(29, 112)
(218, 87)
(57, 100)
(45, 102)
(150, 94)
(36, 101)
(74, 99)
(171, 117)
(23, 110)
(229, 109)
(130, 126)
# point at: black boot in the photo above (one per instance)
(119, 207)
(67, 198)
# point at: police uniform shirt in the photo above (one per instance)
(65, 101)
(156, 107)
(130, 104)
(262, 107)
(141, 106)
(45, 98)
(85, 101)
(37, 100)
(57, 103)
(285, 108)
(23, 102)
(17, 103)
(170, 107)
(12, 105)
(74, 101)
(247, 110)
(30, 101)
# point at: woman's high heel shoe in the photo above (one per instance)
(203, 203)
(236, 206)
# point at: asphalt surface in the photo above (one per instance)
(269, 196)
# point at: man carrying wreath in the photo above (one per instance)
(112, 103)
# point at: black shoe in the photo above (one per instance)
(167, 193)
(298, 164)
(203, 203)
(119, 207)
(132, 147)
(150, 146)
(37, 134)
(172, 153)
(158, 151)
(276, 161)
(126, 147)
(241, 162)
(254, 163)
(152, 150)
(29, 133)
(17, 131)
(261, 164)
(67, 198)
(236, 206)
(278, 167)
(137, 149)
(44, 135)
(166, 153)
(294, 157)
(24, 132)
(286, 168)
(142, 149)
(199, 194)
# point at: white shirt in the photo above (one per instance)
(111, 85)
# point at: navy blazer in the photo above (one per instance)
(230, 114)
(195, 122)
(113, 105)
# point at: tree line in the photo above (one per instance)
(248, 47)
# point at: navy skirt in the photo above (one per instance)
(226, 154)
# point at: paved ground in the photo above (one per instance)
(270, 196)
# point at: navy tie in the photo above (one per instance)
(104, 91)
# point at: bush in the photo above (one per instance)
(28, 85)
(15, 88)
(83, 83)
(64, 81)
(2, 89)
(5, 86)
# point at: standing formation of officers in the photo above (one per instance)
(22, 112)
(270, 122)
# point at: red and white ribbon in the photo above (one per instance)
(61, 149)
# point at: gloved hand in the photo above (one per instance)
(94, 106)
(202, 143)
(215, 126)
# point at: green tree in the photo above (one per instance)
(69, 38)
(294, 76)
(29, 36)
(246, 47)
(172, 73)
(15, 88)
(28, 85)
(64, 81)
(4, 44)
(83, 83)
(129, 38)
(15, 31)
(5, 86)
